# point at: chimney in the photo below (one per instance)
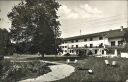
(121, 28)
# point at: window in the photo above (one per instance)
(91, 39)
(100, 38)
(85, 40)
(65, 42)
(101, 45)
(65, 50)
(77, 51)
(65, 46)
(102, 51)
(72, 41)
(85, 51)
(76, 46)
(95, 51)
(72, 46)
(85, 46)
(76, 40)
(91, 45)
(113, 43)
(72, 51)
(120, 42)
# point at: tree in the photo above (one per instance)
(125, 39)
(126, 35)
(35, 22)
(4, 42)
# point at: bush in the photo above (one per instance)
(67, 54)
(89, 52)
(17, 71)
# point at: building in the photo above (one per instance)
(102, 43)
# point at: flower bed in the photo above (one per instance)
(16, 71)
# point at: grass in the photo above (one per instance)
(102, 72)
(62, 58)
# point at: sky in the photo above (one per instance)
(79, 17)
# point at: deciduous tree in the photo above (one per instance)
(35, 22)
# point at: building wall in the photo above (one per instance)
(67, 47)
(115, 39)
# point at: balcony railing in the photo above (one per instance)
(115, 46)
(106, 46)
(85, 47)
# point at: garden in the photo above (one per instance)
(12, 71)
(100, 71)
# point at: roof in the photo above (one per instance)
(109, 34)
(114, 33)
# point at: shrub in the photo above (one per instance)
(21, 70)
(67, 54)
(89, 52)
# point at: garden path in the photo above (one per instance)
(59, 71)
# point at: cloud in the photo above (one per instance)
(65, 9)
(73, 15)
(90, 9)
(79, 12)
(67, 13)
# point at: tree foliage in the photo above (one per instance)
(4, 42)
(126, 35)
(34, 26)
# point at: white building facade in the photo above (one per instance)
(97, 43)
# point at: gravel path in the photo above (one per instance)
(58, 72)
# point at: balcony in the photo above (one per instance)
(97, 47)
(86, 47)
(116, 46)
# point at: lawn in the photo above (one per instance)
(101, 72)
